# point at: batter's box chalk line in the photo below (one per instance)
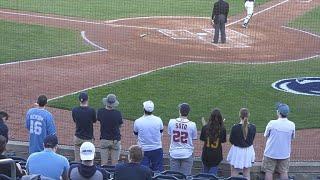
(178, 34)
(236, 39)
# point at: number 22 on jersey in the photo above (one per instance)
(180, 136)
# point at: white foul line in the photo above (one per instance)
(306, 32)
(101, 49)
(123, 79)
(77, 21)
(178, 64)
(51, 58)
(254, 14)
(83, 34)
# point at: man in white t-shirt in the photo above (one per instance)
(182, 132)
(148, 130)
(279, 134)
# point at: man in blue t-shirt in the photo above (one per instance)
(133, 170)
(47, 162)
(40, 124)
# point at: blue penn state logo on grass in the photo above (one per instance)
(309, 86)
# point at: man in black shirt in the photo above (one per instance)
(133, 170)
(84, 117)
(110, 122)
(219, 18)
(3, 127)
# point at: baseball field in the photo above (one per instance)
(161, 50)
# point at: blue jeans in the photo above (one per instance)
(210, 170)
(153, 159)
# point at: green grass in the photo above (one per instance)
(23, 42)
(205, 86)
(115, 9)
(309, 21)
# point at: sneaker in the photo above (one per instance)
(245, 25)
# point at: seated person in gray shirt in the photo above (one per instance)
(87, 170)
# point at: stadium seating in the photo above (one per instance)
(176, 174)
(206, 176)
(4, 177)
(164, 177)
(12, 165)
(236, 178)
(20, 160)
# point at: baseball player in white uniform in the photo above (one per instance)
(249, 5)
(182, 132)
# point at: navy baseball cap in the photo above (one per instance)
(83, 96)
(283, 109)
(50, 141)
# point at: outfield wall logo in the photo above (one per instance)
(305, 86)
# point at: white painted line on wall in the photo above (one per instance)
(302, 31)
(254, 14)
(83, 35)
(123, 79)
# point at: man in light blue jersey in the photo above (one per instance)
(40, 124)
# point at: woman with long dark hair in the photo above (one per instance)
(241, 155)
(213, 134)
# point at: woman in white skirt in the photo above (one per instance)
(241, 155)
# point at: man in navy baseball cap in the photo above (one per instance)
(83, 96)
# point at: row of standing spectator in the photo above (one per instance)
(149, 128)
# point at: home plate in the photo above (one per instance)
(202, 34)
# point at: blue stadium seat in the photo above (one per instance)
(236, 178)
(20, 160)
(206, 176)
(164, 177)
(176, 174)
(4, 177)
(109, 168)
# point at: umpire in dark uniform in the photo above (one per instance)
(219, 18)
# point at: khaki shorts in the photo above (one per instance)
(275, 165)
(109, 148)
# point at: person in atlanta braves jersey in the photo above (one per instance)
(40, 124)
(182, 132)
(249, 5)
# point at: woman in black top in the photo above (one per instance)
(241, 155)
(213, 134)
